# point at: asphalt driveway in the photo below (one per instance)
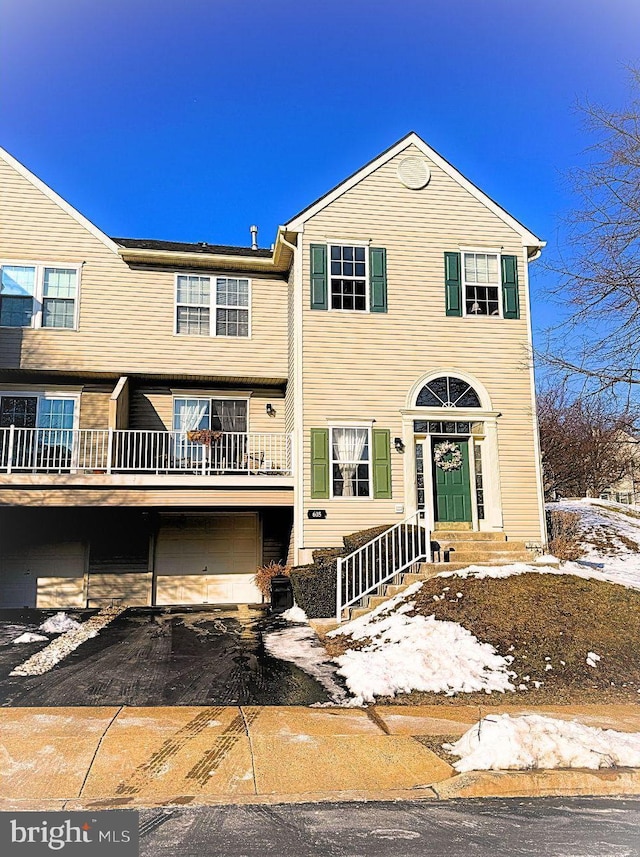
(159, 656)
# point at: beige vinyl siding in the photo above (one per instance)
(94, 407)
(361, 366)
(206, 497)
(126, 315)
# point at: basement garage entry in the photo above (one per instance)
(207, 559)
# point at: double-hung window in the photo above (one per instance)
(38, 295)
(481, 283)
(350, 462)
(212, 306)
(348, 277)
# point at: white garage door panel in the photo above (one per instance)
(133, 589)
(208, 560)
(46, 575)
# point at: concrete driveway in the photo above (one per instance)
(159, 656)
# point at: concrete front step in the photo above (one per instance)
(467, 536)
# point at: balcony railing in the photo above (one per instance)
(52, 450)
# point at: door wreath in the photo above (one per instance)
(447, 455)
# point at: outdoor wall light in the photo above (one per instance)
(271, 411)
(398, 443)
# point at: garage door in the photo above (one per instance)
(207, 559)
(43, 575)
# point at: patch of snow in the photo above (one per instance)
(504, 742)
(592, 659)
(295, 614)
(300, 646)
(546, 559)
(59, 624)
(407, 653)
(47, 658)
(29, 637)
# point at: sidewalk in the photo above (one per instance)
(72, 758)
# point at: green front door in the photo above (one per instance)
(452, 487)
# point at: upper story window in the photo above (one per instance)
(38, 295)
(481, 284)
(348, 277)
(228, 415)
(212, 306)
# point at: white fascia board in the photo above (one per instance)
(58, 200)
(528, 238)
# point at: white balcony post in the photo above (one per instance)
(110, 451)
(339, 589)
(12, 432)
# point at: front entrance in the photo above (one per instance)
(451, 480)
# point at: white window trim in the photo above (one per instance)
(199, 397)
(46, 395)
(38, 296)
(486, 252)
(367, 426)
(346, 243)
(213, 304)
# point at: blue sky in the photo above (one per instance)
(191, 119)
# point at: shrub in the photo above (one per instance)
(564, 534)
(314, 589)
(263, 575)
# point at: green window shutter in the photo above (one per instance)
(319, 292)
(510, 303)
(381, 442)
(319, 464)
(378, 279)
(453, 283)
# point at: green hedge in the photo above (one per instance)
(314, 588)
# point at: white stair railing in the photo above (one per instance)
(378, 561)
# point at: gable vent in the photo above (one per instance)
(413, 172)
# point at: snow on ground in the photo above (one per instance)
(59, 624)
(406, 653)
(29, 637)
(295, 614)
(502, 742)
(611, 538)
(300, 646)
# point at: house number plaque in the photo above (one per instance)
(317, 514)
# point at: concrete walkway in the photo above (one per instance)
(129, 757)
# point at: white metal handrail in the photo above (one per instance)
(378, 561)
(57, 450)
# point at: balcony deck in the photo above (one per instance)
(137, 458)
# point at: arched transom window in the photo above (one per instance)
(448, 392)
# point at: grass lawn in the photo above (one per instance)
(548, 623)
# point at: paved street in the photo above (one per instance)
(545, 827)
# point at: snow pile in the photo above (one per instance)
(295, 614)
(59, 624)
(58, 649)
(300, 646)
(406, 653)
(503, 742)
(574, 568)
(592, 659)
(29, 637)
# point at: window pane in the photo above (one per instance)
(232, 292)
(60, 283)
(16, 312)
(19, 411)
(56, 413)
(193, 290)
(232, 322)
(193, 320)
(229, 415)
(190, 414)
(18, 280)
(57, 313)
